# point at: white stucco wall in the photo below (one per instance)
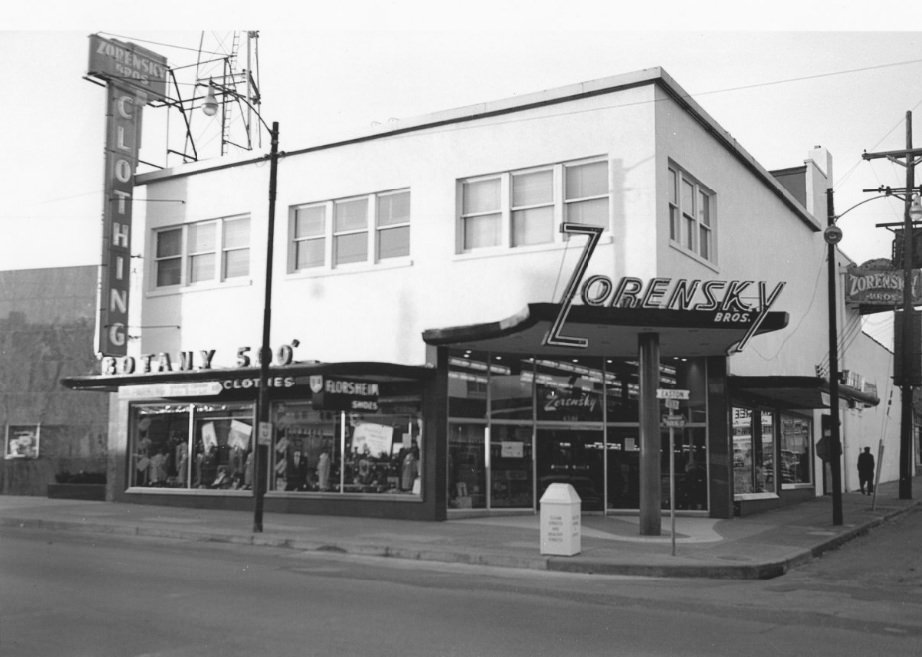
(377, 312)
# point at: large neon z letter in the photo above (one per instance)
(553, 337)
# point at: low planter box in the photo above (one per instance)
(77, 491)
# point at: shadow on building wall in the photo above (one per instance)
(50, 433)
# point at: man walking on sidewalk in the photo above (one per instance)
(866, 470)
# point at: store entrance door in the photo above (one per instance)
(572, 455)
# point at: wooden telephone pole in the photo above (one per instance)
(908, 158)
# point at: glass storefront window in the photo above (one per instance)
(767, 467)
(623, 463)
(691, 479)
(567, 420)
(568, 390)
(795, 450)
(382, 450)
(622, 391)
(742, 451)
(511, 467)
(160, 455)
(467, 470)
(510, 388)
(192, 446)
(575, 457)
(221, 452)
(467, 384)
(754, 469)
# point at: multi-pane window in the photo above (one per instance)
(168, 257)
(202, 252)
(393, 225)
(362, 229)
(309, 237)
(524, 208)
(350, 231)
(481, 213)
(235, 256)
(532, 208)
(691, 209)
(587, 193)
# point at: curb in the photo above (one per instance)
(753, 571)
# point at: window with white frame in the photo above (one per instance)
(361, 229)
(524, 207)
(202, 252)
(691, 214)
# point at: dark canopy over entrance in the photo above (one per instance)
(795, 391)
(610, 331)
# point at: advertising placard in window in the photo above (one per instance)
(21, 442)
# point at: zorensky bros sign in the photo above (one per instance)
(727, 300)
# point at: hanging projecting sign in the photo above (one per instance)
(128, 64)
(133, 76)
(343, 395)
(879, 283)
(727, 300)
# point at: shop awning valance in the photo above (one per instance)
(610, 331)
(369, 371)
(795, 391)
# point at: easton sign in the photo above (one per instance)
(727, 300)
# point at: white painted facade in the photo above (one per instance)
(640, 123)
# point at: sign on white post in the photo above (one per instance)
(671, 393)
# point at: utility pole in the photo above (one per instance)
(908, 158)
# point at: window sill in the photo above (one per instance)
(694, 256)
(503, 251)
(737, 497)
(355, 268)
(199, 287)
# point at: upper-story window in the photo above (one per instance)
(358, 229)
(524, 208)
(691, 214)
(202, 252)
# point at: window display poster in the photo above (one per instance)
(512, 449)
(209, 436)
(21, 442)
(374, 439)
(239, 435)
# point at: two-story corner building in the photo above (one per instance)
(472, 305)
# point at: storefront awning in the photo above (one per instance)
(795, 391)
(369, 371)
(610, 332)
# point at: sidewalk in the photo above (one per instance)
(756, 547)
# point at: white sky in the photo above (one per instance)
(780, 79)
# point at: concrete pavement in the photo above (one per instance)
(755, 547)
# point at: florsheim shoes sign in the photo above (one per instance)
(728, 302)
(134, 76)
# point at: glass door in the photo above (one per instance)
(511, 464)
(572, 455)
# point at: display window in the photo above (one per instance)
(339, 452)
(511, 467)
(518, 424)
(467, 470)
(191, 446)
(755, 469)
(795, 464)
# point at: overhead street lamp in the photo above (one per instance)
(210, 108)
(833, 235)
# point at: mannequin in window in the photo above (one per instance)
(323, 471)
(409, 468)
